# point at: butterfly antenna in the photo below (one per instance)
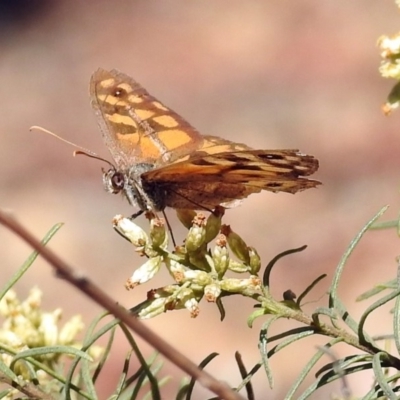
(82, 150)
(169, 228)
(39, 128)
(93, 155)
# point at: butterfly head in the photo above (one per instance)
(129, 183)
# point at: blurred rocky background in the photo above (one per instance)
(273, 74)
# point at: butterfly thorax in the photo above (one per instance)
(129, 183)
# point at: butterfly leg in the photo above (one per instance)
(136, 214)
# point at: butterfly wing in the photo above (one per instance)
(136, 127)
(205, 181)
(184, 168)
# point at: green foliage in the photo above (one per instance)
(41, 366)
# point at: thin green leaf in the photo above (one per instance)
(385, 225)
(138, 373)
(377, 392)
(153, 381)
(380, 287)
(309, 288)
(221, 309)
(89, 340)
(259, 312)
(296, 331)
(322, 311)
(139, 385)
(156, 368)
(348, 319)
(5, 393)
(370, 309)
(249, 376)
(39, 365)
(380, 376)
(42, 351)
(307, 368)
(86, 378)
(161, 383)
(243, 374)
(333, 296)
(330, 377)
(268, 268)
(262, 346)
(5, 370)
(32, 373)
(202, 365)
(396, 324)
(29, 261)
(123, 377)
(104, 356)
(345, 363)
(91, 337)
(181, 395)
(388, 224)
(289, 340)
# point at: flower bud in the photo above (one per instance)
(236, 244)
(176, 269)
(128, 229)
(192, 305)
(9, 303)
(212, 292)
(255, 261)
(158, 234)
(197, 277)
(244, 286)
(145, 272)
(187, 299)
(198, 258)
(186, 217)
(70, 330)
(48, 327)
(156, 307)
(197, 234)
(180, 251)
(236, 266)
(220, 256)
(390, 46)
(213, 224)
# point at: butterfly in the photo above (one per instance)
(162, 161)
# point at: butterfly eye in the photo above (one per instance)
(113, 181)
(117, 181)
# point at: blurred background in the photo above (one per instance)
(276, 74)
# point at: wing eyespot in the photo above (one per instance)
(119, 92)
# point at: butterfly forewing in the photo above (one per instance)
(137, 127)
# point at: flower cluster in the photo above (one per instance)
(197, 267)
(26, 326)
(390, 68)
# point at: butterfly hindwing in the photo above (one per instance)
(209, 180)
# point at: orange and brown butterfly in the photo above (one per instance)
(162, 161)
